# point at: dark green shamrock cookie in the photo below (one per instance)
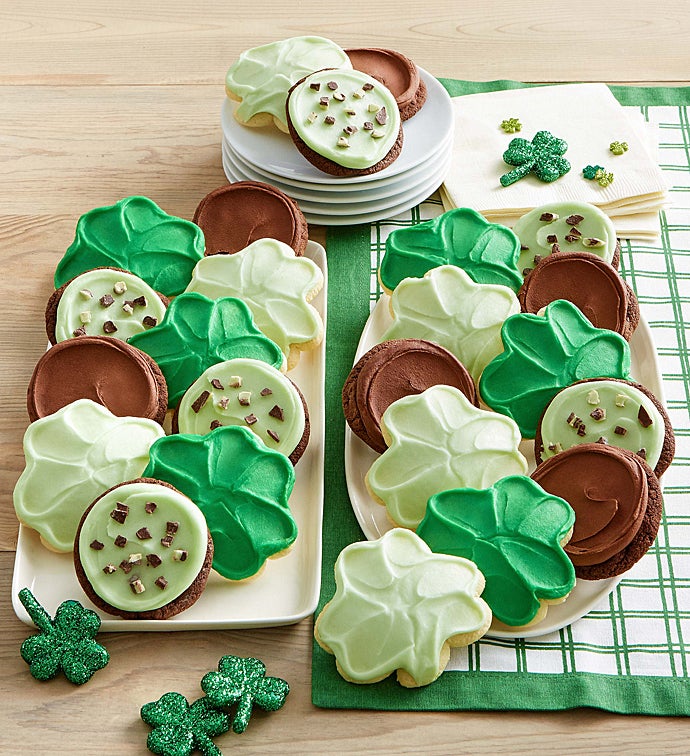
(65, 643)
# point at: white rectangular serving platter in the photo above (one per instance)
(284, 592)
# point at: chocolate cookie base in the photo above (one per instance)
(668, 449)
(177, 605)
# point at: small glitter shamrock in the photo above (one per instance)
(603, 178)
(181, 728)
(618, 148)
(511, 125)
(65, 643)
(542, 156)
(590, 171)
(244, 681)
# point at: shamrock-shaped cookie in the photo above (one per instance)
(543, 156)
(398, 606)
(544, 354)
(438, 440)
(240, 485)
(65, 643)
(276, 285)
(447, 307)
(515, 533)
(487, 252)
(180, 728)
(243, 681)
(198, 332)
(136, 235)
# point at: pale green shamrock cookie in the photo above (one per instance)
(261, 77)
(438, 440)
(447, 307)
(399, 607)
(275, 284)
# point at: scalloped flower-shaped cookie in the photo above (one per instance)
(488, 252)
(514, 531)
(438, 440)
(136, 235)
(240, 485)
(398, 606)
(276, 285)
(447, 307)
(544, 354)
(198, 332)
(72, 456)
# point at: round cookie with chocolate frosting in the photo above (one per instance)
(617, 501)
(607, 411)
(344, 122)
(143, 550)
(392, 370)
(103, 302)
(235, 215)
(589, 282)
(108, 371)
(396, 72)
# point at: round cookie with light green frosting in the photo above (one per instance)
(606, 411)
(487, 252)
(261, 77)
(276, 285)
(514, 532)
(249, 393)
(345, 123)
(198, 332)
(143, 550)
(136, 235)
(241, 486)
(103, 302)
(398, 607)
(447, 307)
(565, 227)
(71, 457)
(438, 440)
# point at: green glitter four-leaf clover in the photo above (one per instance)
(487, 252)
(544, 354)
(543, 156)
(65, 643)
(136, 235)
(180, 728)
(513, 533)
(511, 125)
(244, 681)
(198, 332)
(240, 485)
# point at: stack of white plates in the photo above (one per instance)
(268, 155)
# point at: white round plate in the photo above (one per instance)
(334, 194)
(332, 215)
(373, 518)
(274, 151)
(364, 204)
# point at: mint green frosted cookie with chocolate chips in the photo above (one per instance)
(344, 122)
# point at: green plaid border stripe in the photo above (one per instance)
(630, 652)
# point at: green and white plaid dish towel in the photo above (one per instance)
(631, 652)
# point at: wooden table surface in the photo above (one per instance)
(99, 101)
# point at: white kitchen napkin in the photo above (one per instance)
(588, 118)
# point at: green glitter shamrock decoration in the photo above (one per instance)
(543, 156)
(244, 681)
(181, 728)
(511, 125)
(618, 148)
(590, 171)
(65, 643)
(603, 178)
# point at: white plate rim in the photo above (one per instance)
(372, 517)
(410, 155)
(305, 556)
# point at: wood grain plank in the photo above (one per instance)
(94, 43)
